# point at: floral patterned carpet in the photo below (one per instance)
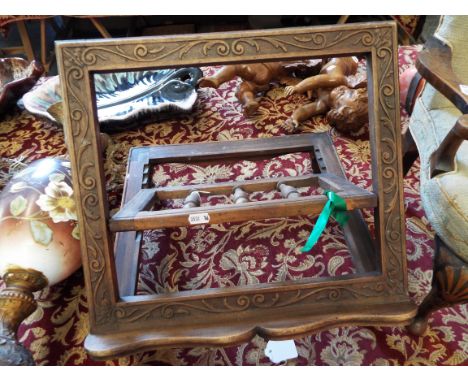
(234, 254)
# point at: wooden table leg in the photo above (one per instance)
(449, 286)
(25, 40)
(98, 25)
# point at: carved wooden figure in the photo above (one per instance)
(256, 78)
(336, 94)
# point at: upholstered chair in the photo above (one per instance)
(439, 127)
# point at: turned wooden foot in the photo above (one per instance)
(449, 286)
(16, 303)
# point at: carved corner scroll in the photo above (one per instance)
(78, 60)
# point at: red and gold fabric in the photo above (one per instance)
(241, 253)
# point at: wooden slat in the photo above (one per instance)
(360, 244)
(127, 244)
(142, 200)
(132, 217)
(233, 149)
(356, 233)
(340, 184)
(308, 205)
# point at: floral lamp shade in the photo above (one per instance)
(39, 244)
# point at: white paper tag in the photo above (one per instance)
(199, 218)
(464, 89)
(279, 351)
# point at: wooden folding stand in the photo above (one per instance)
(122, 322)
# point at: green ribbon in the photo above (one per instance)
(336, 208)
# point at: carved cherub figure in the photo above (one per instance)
(336, 93)
(257, 78)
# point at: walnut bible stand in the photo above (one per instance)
(122, 322)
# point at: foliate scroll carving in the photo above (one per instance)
(245, 302)
(217, 48)
(87, 183)
(390, 181)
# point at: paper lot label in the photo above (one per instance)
(199, 218)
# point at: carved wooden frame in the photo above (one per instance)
(121, 325)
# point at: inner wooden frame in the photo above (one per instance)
(121, 325)
(140, 193)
